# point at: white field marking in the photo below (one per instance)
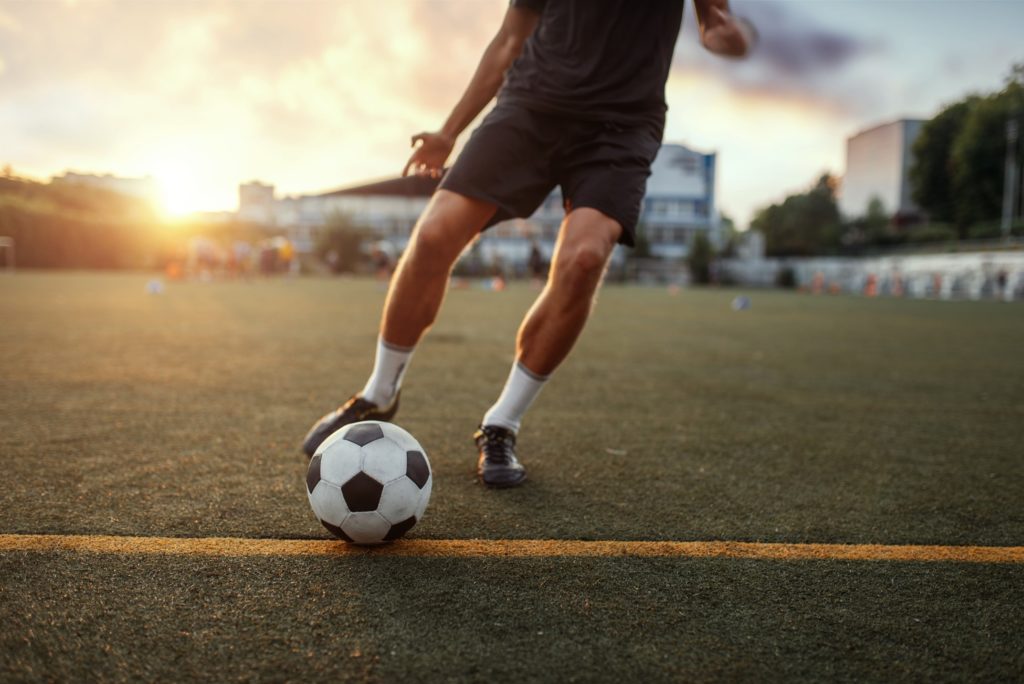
(511, 548)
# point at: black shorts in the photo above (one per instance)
(517, 156)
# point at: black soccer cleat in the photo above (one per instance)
(352, 411)
(498, 465)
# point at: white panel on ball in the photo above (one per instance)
(331, 439)
(340, 461)
(400, 500)
(401, 437)
(384, 460)
(366, 528)
(328, 503)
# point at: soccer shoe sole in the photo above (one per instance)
(503, 484)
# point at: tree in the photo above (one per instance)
(339, 244)
(931, 175)
(699, 259)
(804, 224)
(876, 222)
(642, 246)
(729, 236)
(979, 152)
(957, 176)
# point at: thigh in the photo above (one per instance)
(507, 162)
(451, 220)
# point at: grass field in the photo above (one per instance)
(803, 420)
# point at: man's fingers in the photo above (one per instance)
(419, 137)
(408, 165)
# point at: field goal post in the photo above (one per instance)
(7, 250)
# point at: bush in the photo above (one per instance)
(933, 232)
(786, 277)
(985, 231)
(993, 230)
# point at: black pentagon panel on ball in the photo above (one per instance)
(364, 434)
(313, 474)
(416, 468)
(362, 493)
(336, 531)
(400, 528)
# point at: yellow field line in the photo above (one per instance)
(514, 548)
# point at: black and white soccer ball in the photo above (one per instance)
(369, 482)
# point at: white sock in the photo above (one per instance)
(521, 388)
(388, 370)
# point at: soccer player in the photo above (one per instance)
(581, 105)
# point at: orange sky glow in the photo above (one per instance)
(319, 94)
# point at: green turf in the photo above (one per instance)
(819, 419)
(803, 419)
(402, 619)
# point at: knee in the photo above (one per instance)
(581, 264)
(434, 243)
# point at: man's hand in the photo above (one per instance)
(725, 35)
(428, 159)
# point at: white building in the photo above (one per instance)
(878, 163)
(143, 188)
(679, 204)
(389, 208)
(256, 203)
(680, 201)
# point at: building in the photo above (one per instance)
(878, 163)
(256, 203)
(389, 208)
(144, 188)
(680, 204)
(680, 201)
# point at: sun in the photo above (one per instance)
(180, 193)
(183, 188)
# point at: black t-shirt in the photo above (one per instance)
(599, 59)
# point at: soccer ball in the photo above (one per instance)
(369, 482)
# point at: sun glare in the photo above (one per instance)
(183, 190)
(179, 191)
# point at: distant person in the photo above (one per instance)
(382, 264)
(333, 260)
(536, 263)
(581, 105)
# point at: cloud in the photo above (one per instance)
(8, 23)
(307, 95)
(796, 57)
(791, 45)
(320, 93)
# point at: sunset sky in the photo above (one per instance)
(312, 95)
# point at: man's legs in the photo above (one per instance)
(417, 289)
(556, 319)
(546, 336)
